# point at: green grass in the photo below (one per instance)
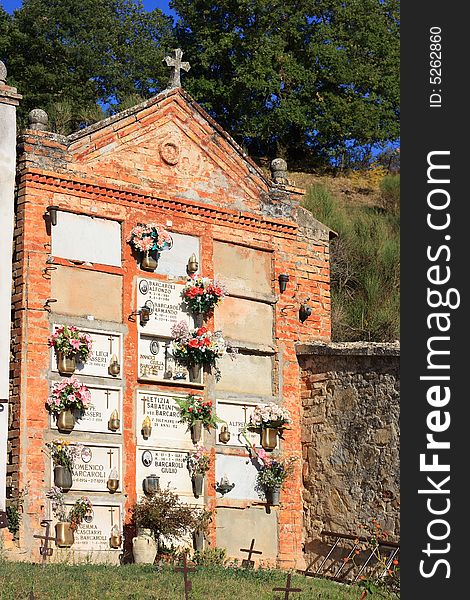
(144, 582)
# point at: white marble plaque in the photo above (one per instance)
(92, 469)
(167, 431)
(236, 415)
(170, 467)
(95, 530)
(173, 262)
(96, 418)
(104, 345)
(238, 470)
(156, 362)
(163, 298)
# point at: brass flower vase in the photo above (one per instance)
(198, 319)
(194, 371)
(196, 431)
(273, 496)
(198, 540)
(198, 482)
(65, 364)
(64, 535)
(269, 438)
(65, 421)
(63, 477)
(148, 263)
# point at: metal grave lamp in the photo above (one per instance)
(224, 486)
(304, 312)
(283, 279)
(115, 538)
(52, 212)
(224, 435)
(192, 265)
(146, 428)
(114, 422)
(114, 367)
(144, 313)
(113, 481)
(151, 484)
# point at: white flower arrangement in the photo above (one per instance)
(271, 415)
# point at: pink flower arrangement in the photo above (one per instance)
(70, 341)
(201, 294)
(68, 394)
(150, 237)
(198, 461)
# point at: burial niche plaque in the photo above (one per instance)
(93, 467)
(105, 344)
(236, 415)
(169, 466)
(156, 362)
(104, 401)
(163, 413)
(95, 530)
(163, 299)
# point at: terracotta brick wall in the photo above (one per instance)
(112, 172)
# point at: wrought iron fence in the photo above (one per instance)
(348, 558)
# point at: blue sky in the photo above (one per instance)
(10, 5)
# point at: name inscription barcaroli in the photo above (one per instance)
(93, 468)
(164, 301)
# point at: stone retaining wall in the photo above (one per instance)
(350, 438)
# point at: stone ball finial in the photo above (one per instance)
(279, 170)
(3, 73)
(38, 119)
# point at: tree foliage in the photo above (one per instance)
(315, 78)
(67, 56)
(314, 81)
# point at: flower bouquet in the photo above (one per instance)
(197, 348)
(68, 343)
(196, 413)
(149, 238)
(201, 294)
(272, 475)
(67, 397)
(68, 520)
(198, 463)
(63, 455)
(270, 419)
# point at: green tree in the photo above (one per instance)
(310, 79)
(72, 57)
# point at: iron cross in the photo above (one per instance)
(185, 569)
(247, 562)
(288, 589)
(176, 65)
(45, 550)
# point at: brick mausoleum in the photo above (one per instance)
(163, 161)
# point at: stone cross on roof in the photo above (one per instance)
(176, 64)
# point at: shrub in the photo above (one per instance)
(365, 268)
(210, 557)
(165, 515)
(390, 193)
